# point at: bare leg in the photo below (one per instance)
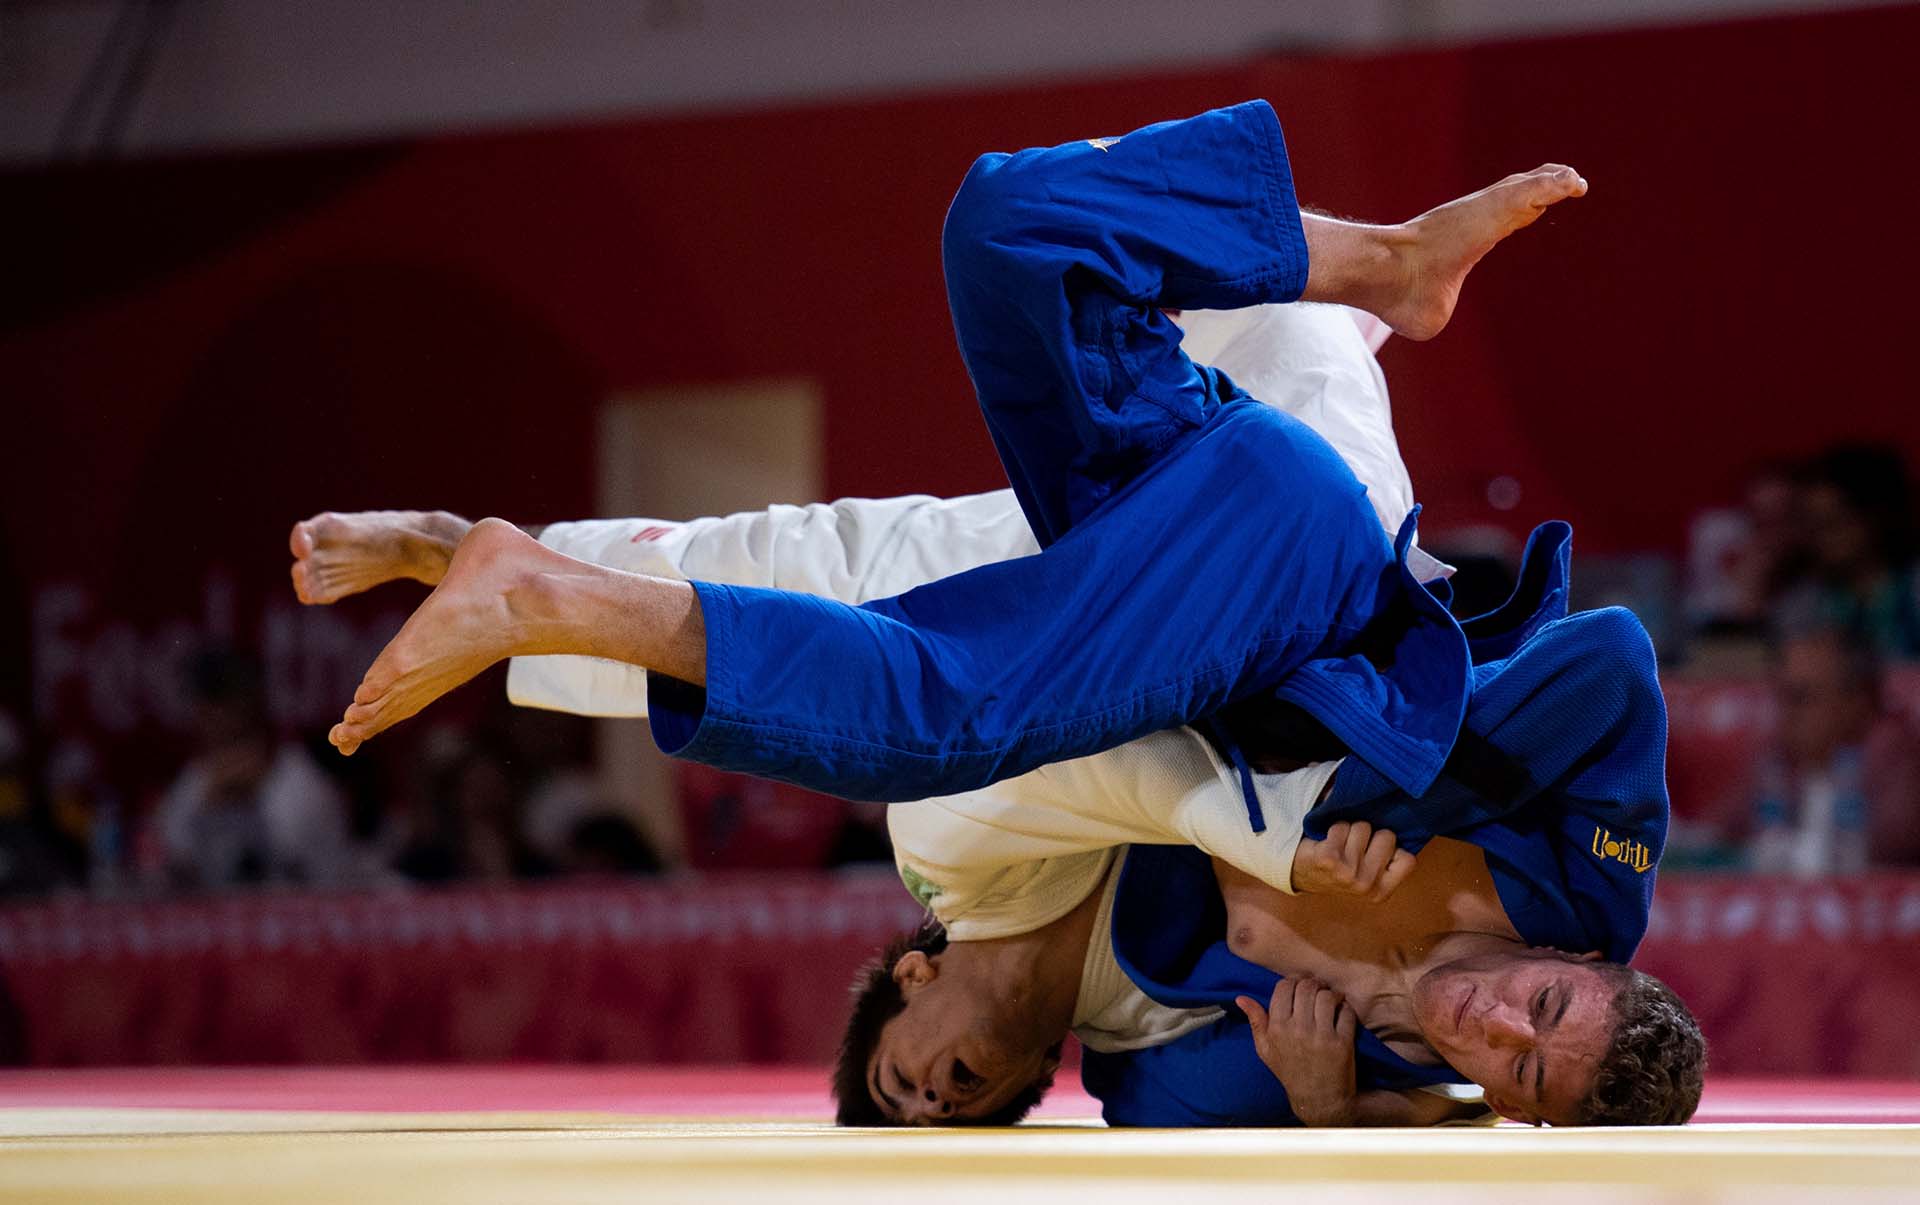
(506, 595)
(335, 555)
(1410, 275)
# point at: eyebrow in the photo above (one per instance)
(1539, 1063)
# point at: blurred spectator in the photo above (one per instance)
(467, 823)
(248, 808)
(1740, 558)
(1840, 791)
(862, 836)
(1856, 523)
(608, 843)
(87, 810)
(29, 863)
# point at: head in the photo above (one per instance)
(1828, 686)
(1858, 510)
(232, 732)
(921, 1048)
(1564, 1039)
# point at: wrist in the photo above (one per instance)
(1325, 1114)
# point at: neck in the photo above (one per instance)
(1391, 1015)
(1031, 981)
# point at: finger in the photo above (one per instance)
(1399, 868)
(1356, 844)
(1280, 1003)
(1256, 1016)
(300, 539)
(1326, 1007)
(1374, 861)
(1304, 991)
(1346, 1022)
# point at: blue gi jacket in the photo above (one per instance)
(1198, 547)
(1559, 779)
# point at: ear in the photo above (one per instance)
(915, 969)
(1510, 1110)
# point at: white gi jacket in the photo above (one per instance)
(1025, 851)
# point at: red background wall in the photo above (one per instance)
(196, 353)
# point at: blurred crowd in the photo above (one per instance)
(1818, 568)
(1805, 594)
(511, 796)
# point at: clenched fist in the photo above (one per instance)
(1355, 859)
(1305, 1037)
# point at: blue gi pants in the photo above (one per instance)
(1198, 546)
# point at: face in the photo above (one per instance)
(1819, 711)
(1840, 537)
(1530, 1027)
(946, 1059)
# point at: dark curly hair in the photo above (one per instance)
(876, 1000)
(1655, 1066)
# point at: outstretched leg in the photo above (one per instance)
(505, 594)
(1010, 666)
(1410, 275)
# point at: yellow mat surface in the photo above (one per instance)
(57, 1156)
(139, 1156)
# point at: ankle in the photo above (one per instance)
(1357, 265)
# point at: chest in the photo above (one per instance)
(1351, 943)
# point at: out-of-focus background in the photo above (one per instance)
(675, 257)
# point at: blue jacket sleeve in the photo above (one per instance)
(1559, 776)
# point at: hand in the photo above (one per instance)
(1355, 859)
(1305, 1037)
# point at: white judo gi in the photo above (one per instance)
(1025, 851)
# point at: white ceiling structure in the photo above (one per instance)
(86, 78)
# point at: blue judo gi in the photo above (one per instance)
(1199, 550)
(1198, 547)
(1559, 778)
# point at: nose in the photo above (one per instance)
(1505, 1026)
(927, 1106)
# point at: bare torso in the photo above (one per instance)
(1356, 946)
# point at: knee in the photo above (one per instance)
(982, 209)
(1617, 655)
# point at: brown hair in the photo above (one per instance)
(1655, 1066)
(877, 999)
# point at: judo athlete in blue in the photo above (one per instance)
(1204, 560)
(1557, 783)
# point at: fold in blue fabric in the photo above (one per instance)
(1198, 547)
(1558, 777)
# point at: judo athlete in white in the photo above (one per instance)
(1021, 875)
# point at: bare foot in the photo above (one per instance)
(335, 555)
(488, 606)
(1437, 249)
